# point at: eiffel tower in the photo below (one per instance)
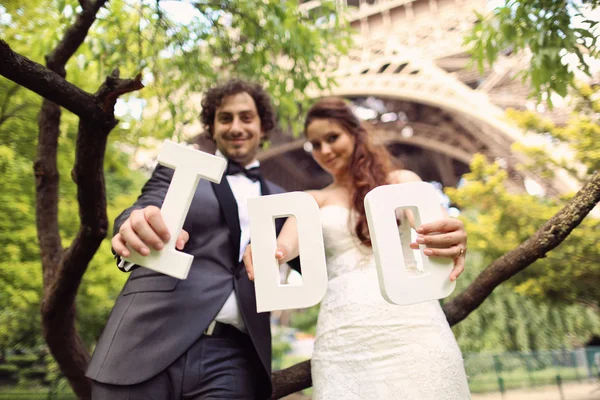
(409, 76)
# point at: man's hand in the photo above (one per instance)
(247, 258)
(444, 238)
(143, 229)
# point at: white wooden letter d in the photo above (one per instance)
(270, 294)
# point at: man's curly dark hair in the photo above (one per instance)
(215, 95)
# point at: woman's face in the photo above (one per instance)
(332, 145)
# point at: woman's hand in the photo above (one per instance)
(247, 258)
(444, 238)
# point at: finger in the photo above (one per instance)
(441, 225)
(249, 269)
(414, 246)
(156, 222)
(184, 235)
(450, 252)
(279, 254)
(247, 258)
(131, 238)
(119, 246)
(442, 239)
(459, 267)
(182, 239)
(144, 231)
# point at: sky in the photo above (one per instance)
(180, 11)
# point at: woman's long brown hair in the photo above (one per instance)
(369, 164)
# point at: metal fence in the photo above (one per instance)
(490, 372)
(487, 372)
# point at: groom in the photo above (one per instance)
(199, 338)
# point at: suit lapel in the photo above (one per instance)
(230, 212)
(264, 188)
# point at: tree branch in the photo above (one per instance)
(50, 84)
(47, 184)
(88, 174)
(73, 37)
(549, 236)
(46, 83)
(113, 87)
(291, 380)
(84, 4)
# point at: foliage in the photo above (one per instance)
(498, 221)
(568, 273)
(553, 303)
(512, 321)
(277, 44)
(552, 31)
(25, 360)
(281, 347)
(20, 274)
(20, 267)
(182, 52)
(305, 320)
(577, 141)
(179, 55)
(6, 369)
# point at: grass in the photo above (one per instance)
(39, 393)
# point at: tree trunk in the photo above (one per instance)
(60, 291)
(64, 269)
(67, 348)
(58, 321)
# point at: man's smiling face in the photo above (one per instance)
(237, 128)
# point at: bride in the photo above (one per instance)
(365, 347)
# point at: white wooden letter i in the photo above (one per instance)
(190, 165)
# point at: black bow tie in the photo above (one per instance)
(234, 168)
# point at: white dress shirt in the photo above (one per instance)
(243, 189)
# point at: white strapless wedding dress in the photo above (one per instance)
(369, 349)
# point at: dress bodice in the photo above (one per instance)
(343, 249)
